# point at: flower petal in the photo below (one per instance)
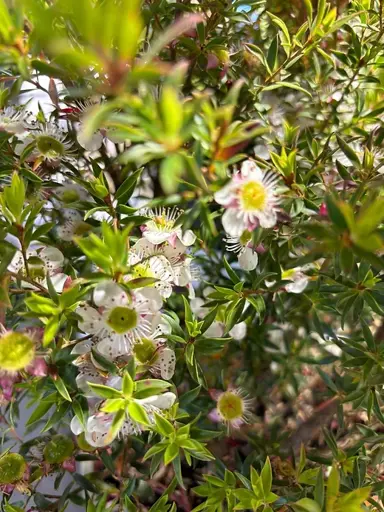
(164, 401)
(248, 258)
(233, 222)
(109, 294)
(92, 320)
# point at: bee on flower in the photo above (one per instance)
(249, 200)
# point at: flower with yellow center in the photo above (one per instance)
(232, 408)
(121, 320)
(162, 227)
(249, 200)
(299, 280)
(154, 355)
(51, 143)
(155, 267)
(17, 351)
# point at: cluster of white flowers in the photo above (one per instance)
(124, 324)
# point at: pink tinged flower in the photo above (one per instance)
(249, 200)
(323, 210)
(233, 408)
(212, 61)
(38, 367)
(69, 465)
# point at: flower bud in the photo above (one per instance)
(17, 351)
(12, 467)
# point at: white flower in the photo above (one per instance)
(162, 227)
(174, 253)
(41, 262)
(123, 319)
(51, 143)
(73, 225)
(249, 199)
(298, 278)
(88, 373)
(243, 246)
(98, 427)
(157, 267)
(153, 354)
(13, 120)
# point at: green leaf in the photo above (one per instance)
(266, 477)
(138, 413)
(61, 388)
(348, 151)
(280, 23)
(163, 425)
(171, 453)
(104, 391)
(41, 409)
(50, 329)
(289, 85)
(128, 385)
(171, 171)
(305, 505)
(272, 54)
(117, 423)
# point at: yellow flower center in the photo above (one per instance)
(288, 274)
(230, 406)
(163, 223)
(17, 351)
(253, 196)
(122, 319)
(142, 270)
(49, 146)
(145, 351)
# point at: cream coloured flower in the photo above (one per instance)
(72, 225)
(122, 320)
(98, 427)
(156, 267)
(243, 246)
(51, 143)
(153, 354)
(13, 120)
(249, 200)
(41, 262)
(299, 280)
(162, 227)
